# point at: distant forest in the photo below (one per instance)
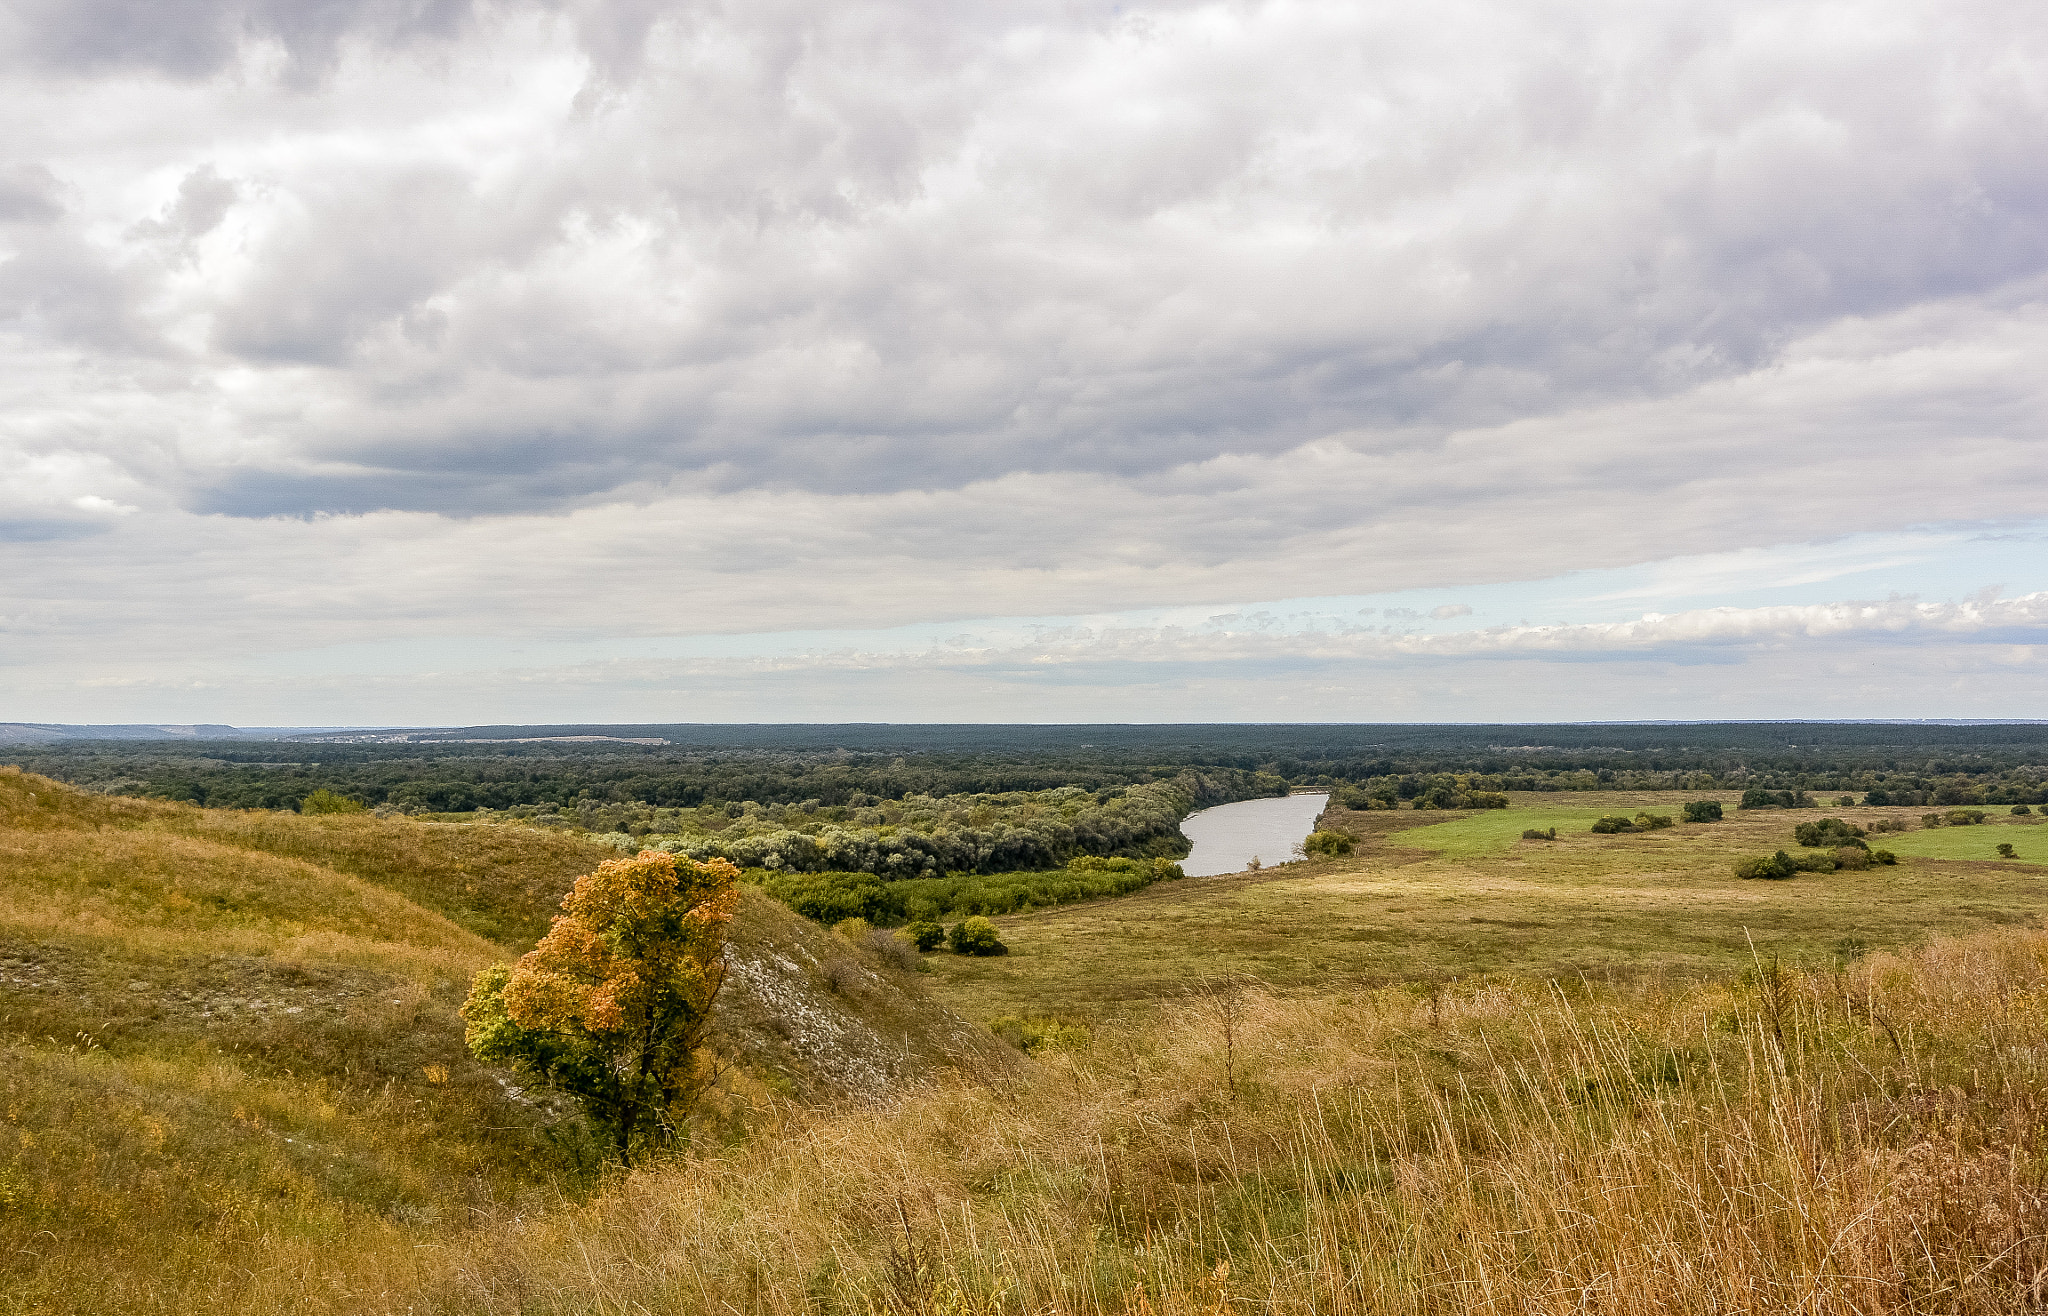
(606, 785)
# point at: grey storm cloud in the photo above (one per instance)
(196, 38)
(477, 258)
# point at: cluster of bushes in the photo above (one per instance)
(1953, 818)
(1642, 822)
(830, 897)
(1699, 811)
(1843, 842)
(1782, 865)
(1542, 834)
(971, 936)
(1830, 832)
(1758, 798)
(1435, 790)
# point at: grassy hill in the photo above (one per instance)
(229, 1045)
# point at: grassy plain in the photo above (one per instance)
(1428, 899)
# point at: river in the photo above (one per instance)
(1228, 836)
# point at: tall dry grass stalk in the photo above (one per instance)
(1865, 1139)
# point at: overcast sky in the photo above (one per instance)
(426, 361)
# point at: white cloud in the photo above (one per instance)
(341, 323)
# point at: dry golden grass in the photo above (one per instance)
(257, 1101)
(1856, 1141)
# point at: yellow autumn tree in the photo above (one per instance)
(612, 1005)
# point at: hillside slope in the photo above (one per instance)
(229, 1041)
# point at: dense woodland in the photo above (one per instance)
(609, 786)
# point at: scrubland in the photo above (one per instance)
(1454, 1071)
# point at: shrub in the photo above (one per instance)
(1829, 832)
(976, 936)
(1327, 843)
(1642, 822)
(1774, 866)
(1963, 817)
(853, 929)
(1883, 857)
(2020, 811)
(1889, 825)
(1703, 811)
(1533, 834)
(1845, 801)
(1851, 858)
(893, 949)
(925, 934)
(2005, 850)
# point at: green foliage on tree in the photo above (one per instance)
(1700, 811)
(612, 1005)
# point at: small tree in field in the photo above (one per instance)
(612, 1005)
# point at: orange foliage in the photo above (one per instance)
(614, 1001)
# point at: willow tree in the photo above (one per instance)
(612, 1005)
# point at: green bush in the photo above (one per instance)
(2020, 811)
(1776, 866)
(2005, 850)
(1883, 857)
(853, 929)
(925, 934)
(1642, 822)
(1829, 832)
(1703, 811)
(1327, 843)
(976, 936)
(1533, 834)
(1963, 817)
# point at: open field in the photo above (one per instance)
(1428, 901)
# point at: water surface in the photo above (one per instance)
(1228, 836)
